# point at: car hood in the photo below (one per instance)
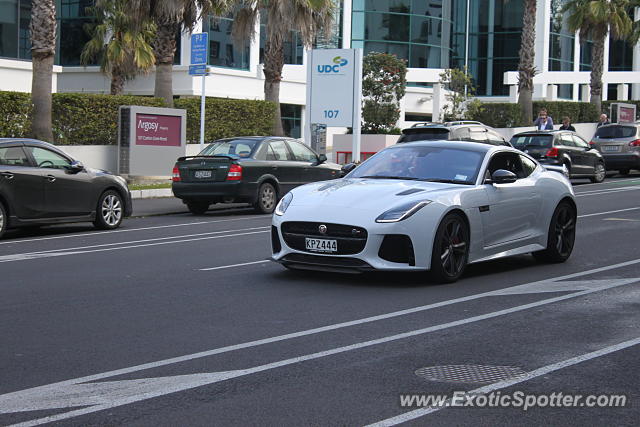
(366, 194)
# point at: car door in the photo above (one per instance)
(21, 184)
(513, 208)
(283, 167)
(66, 193)
(308, 160)
(588, 155)
(568, 147)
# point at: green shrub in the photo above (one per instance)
(588, 113)
(504, 115)
(495, 114)
(227, 117)
(86, 119)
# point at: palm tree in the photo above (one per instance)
(124, 48)
(307, 17)
(171, 17)
(43, 49)
(594, 19)
(526, 67)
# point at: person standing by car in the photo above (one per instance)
(604, 120)
(566, 124)
(544, 121)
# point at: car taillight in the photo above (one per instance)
(553, 152)
(175, 176)
(635, 143)
(235, 173)
(592, 143)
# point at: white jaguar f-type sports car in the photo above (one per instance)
(433, 205)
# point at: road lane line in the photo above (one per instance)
(412, 415)
(234, 265)
(127, 230)
(119, 394)
(608, 212)
(611, 191)
(608, 182)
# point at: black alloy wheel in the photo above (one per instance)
(267, 199)
(110, 211)
(198, 208)
(562, 235)
(450, 249)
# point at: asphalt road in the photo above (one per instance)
(180, 320)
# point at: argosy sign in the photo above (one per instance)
(158, 130)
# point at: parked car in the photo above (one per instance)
(458, 131)
(558, 148)
(619, 145)
(249, 169)
(40, 184)
(432, 205)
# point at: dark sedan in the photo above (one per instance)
(256, 170)
(40, 184)
(558, 148)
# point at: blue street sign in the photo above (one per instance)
(199, 44)
(198, 70)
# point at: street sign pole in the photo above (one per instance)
(357, 105)
(203, 100)
(198, 67)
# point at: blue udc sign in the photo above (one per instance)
(199, 44)
(198, 70)
(334, 67)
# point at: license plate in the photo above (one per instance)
(203, 174)
(610, 148)
(321, 245)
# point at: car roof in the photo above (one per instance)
(544, 132)
(25, 140)
(463, 145)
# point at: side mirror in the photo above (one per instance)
(75, 167)
(347, 168)
(502, 176)
(322, 158)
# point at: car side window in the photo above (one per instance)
(277, 151)
(580, 142)
(48, 159)
(528, 166)
(567, 141)
(301, 153)
(507, 161)
(478, 134)
(13, 156)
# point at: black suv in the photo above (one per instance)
(455, 131)
(562, 147)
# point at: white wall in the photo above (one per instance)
(16, 76)
(94, 156)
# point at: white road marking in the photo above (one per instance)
(602, 184)
(53, 253)
(606, 191)
(621, 219)
(128, 230)
(608, 212)
(122, 394)
(234, 265)
(412, 415)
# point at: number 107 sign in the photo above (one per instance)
(333, 94)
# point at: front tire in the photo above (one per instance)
(198, 208)
(4, 220)
(267, 199)
(450, 249)
(562, 235)
(600, 173)
(110, 211)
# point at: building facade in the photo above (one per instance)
(431, 35)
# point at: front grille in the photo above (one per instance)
(275, 240)
(397, 248)
(326, 261)
(350, 239)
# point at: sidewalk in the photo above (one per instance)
(172, 205)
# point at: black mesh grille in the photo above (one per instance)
(275, 240)
(397, 248)
(350, 239)
(327, 261)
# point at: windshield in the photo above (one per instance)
(616, 132)
(235, 147)
(424, 135)
(422, 163)
(532, 141)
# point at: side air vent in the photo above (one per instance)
(409, 191)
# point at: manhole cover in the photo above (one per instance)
(469, 373)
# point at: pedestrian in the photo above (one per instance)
(566, 124)
(604, 120)
(544, 121)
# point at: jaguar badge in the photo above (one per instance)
(322, 229)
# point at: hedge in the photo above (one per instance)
(85, 119)
(505, 115)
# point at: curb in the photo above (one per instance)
(153, 193)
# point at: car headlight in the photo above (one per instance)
(284, 204)
(402, 212)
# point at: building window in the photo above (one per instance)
(586, 48)
(15, 16)
(417, 117)
(620, 55)
(565, 91)
(223, 51)
(561, 40)
(73, 15)
(291, 120)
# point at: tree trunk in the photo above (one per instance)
(273, 65)
(596, 72)
(164, 48)
(43, 45)
(117, 83)
(526, 68)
